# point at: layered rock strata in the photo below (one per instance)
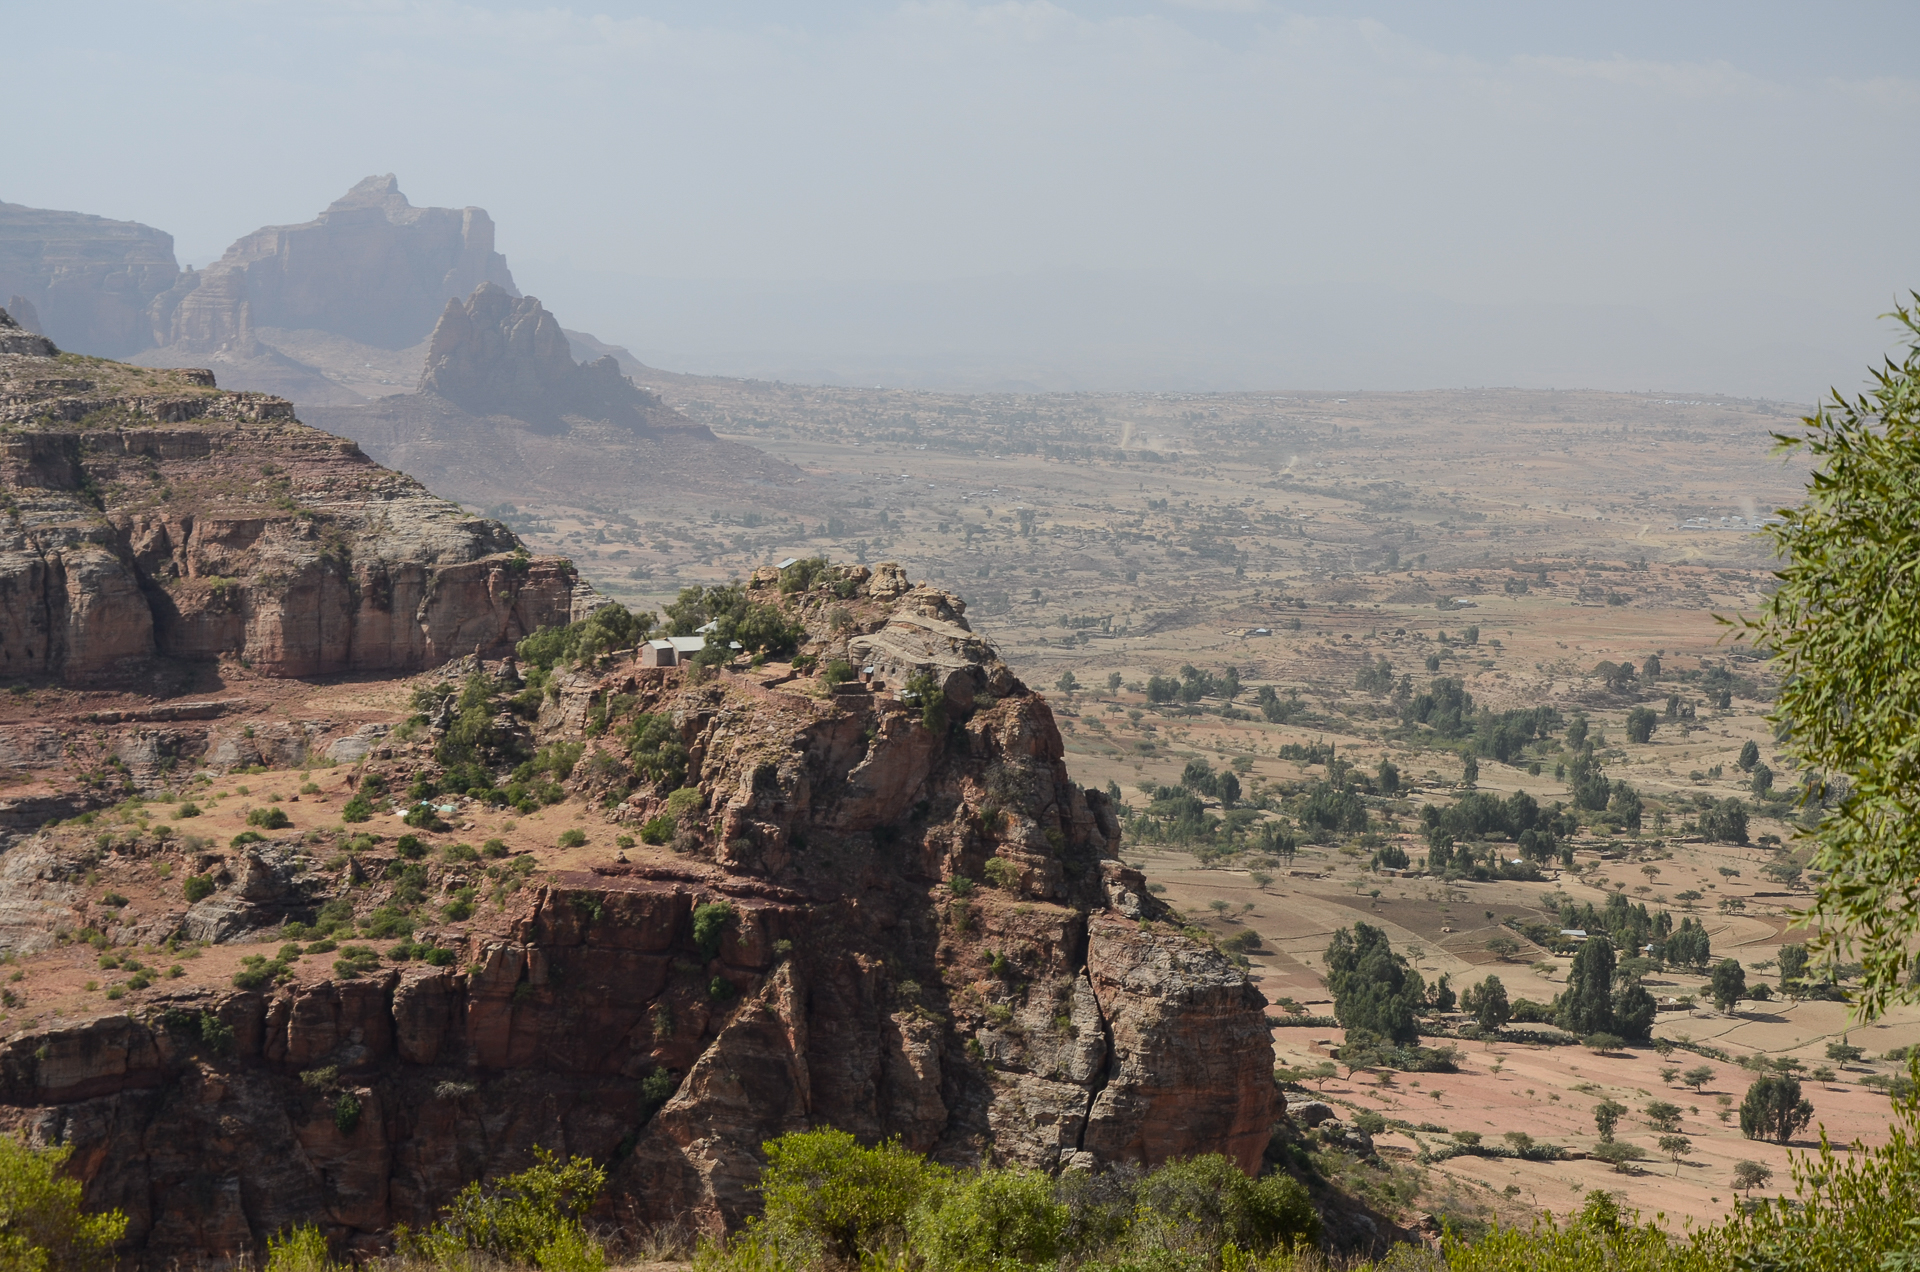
(371, 267)
(151, 516)
(89, 282)
(926, 936)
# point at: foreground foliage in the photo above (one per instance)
(42, 1226)
(530, 1219)
(830, 1199)
(1842, 626)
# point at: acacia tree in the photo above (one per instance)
(1841, 627)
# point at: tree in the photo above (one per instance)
(1389, 776)
(42, 1224)
(1373, 988)
(1762, 783)
(1698, 1077)
(1749, 756)
(1488, 1003)
(1586, 1006)
(1725, 822)
(1606, 1116)
(1748, 1176)
(1640, 724)
(1470, 770)
(1793, 968)
(1841, 627)
(1503, 948)
(1689, 946)
(1634, 1012)
(1067, 683)
(1774, 1110)
(1845, 1053)
(1676, 1147)
(1114, 681)
(1662, 1115)
(1728, 984)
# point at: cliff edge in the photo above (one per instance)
(150, 517)
(712, 904)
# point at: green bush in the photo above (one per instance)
(346, 1113)
(658, 830)
(532, 1218)
(358, 809)
(1007, 1220)
(42, 1227)
(1202, 1203)
(684, 802)
(197, 888)
(830, 1200)
(709, 922)
(573, 837)
(272, 817)
(826, 1195)
(302, 1249)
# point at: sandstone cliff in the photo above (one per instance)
(371, 267)
(925, 935)
(150, 517)
(88, 280)
(503, 412)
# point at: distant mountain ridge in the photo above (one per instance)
(89, 283)
(371, 267)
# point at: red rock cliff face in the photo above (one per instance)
(928, 937)
(149, 516)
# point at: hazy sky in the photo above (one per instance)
(1710, 196)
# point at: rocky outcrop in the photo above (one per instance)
(503, 412)
(371, 267)
(89, 281)
(925, 936)
(501, 355)
(150, 517)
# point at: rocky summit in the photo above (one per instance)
(153, 522)
(371, 267)
(502, 409)
(654, 914)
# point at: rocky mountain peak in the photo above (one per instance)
(371, 267)
(382, 192)
(501, 354)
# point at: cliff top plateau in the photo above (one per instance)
(653, 914)
(84, 280)
(154, 525)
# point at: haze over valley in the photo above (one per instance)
(931, 580)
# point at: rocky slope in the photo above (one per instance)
(856, 914)
(153, 520)
(89, 281)
(503, 412)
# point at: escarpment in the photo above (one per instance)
(150, 517)
(715, 903)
